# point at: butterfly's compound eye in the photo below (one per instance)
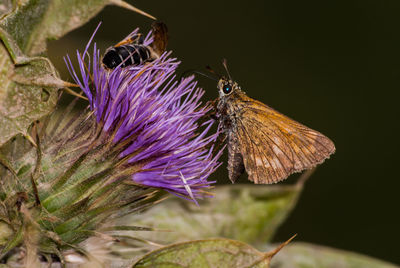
(227, 89)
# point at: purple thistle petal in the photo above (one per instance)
(155, 117)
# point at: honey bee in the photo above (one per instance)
(267, 144)
(132, 52)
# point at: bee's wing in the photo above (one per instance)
(274, 146)
(160, 37)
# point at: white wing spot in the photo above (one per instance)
(259, 162)
(274, 164)
(276, 140)
(277, 151)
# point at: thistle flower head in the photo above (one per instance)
(153, 121)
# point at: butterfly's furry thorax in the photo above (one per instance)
(231, 102)
(230, 108)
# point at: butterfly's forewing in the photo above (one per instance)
(272, 145)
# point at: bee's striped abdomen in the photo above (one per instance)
(128, 55)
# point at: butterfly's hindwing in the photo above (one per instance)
(235, 160)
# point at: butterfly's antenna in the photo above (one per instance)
(213, 72)
(226, 68)
(197, 72)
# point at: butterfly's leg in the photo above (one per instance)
(211, 113)
(219, 143)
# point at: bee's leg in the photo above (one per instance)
(137, 38)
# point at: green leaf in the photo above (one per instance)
(25, 101)
(218, 252)
(303, 255)
(249, 213)
(28, 91)
(31, 23)
(29, 85)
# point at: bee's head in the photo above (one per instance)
(226, 86)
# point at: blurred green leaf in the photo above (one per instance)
(249, 213)
(303, 255)
(206, 253)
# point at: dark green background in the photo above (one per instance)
(332, 65)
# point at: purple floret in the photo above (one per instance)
(155, 117)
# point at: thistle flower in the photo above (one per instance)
(139, 134)
(152, 120)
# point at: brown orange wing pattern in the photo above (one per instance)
(274, 146)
